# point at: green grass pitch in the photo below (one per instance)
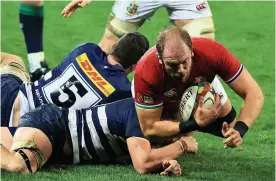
(246, 28)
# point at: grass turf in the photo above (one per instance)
(246, 28)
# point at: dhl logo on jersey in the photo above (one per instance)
(105, 87)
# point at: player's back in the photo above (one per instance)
(99, 134)
(83, 79)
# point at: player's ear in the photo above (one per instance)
(157, 54)
(130, 69)
(133, 67)
(193, 54)
(114, 45)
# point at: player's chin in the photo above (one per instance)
(185, 77)
(177, 76)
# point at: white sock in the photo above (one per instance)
(34, 60)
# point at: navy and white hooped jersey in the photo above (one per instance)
(98, 134)
(83, 79)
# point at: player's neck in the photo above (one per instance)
(112, 60)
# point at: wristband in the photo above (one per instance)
(182, 147)
(241, 127)
(183, 144)
(188, 126)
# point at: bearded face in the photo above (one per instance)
(177, 61)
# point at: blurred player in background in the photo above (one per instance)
(86, 77)
(105, 134)
(31, 17)
(177, 62)
(127, 16)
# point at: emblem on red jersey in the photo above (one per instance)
(132, 8)
(148, 100)
(171, 92)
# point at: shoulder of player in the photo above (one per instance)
(87, 47)
(122, 83)
(206, 44)
(207, 49)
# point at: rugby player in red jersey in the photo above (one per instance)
(176, 62)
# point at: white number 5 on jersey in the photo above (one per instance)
(70, 90)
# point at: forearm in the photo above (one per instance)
(165, 129)
(251, 108)
(248, 89)
(146, 159)
(155, 157)
(153, 127)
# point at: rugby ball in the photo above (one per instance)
(190, 98)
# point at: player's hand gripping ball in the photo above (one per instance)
(190, 99)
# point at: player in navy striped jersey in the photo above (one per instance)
(102, 134)
(86, 77)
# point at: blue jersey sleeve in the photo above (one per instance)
(132, 125)
(122, 118)
(133, 129)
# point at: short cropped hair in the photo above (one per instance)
(130, 48)
(167, 34)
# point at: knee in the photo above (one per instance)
(14, 64)
(119, 27)
(115, 29)
(7, 58)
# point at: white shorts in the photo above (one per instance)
(135, 11)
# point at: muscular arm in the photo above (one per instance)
(151, 124)
(153, 127)
(248, 89)
(239, 79)
(145, 159)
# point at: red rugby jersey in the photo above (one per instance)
(153, 88)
